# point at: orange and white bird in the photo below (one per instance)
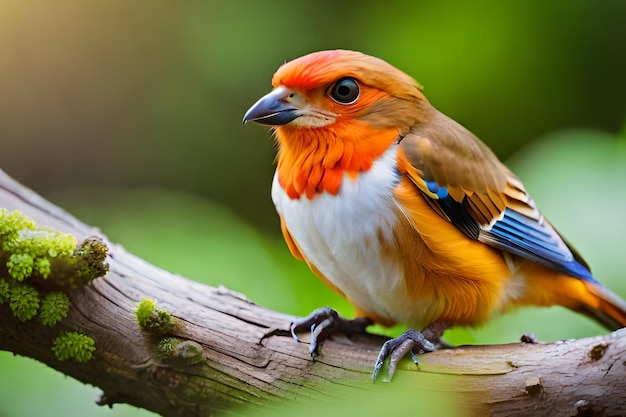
(405, 212)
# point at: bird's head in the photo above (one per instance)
(334, 113)
(336, 87)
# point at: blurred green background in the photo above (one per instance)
(128, 114)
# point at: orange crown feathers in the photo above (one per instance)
(325, 67)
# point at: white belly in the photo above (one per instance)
(340, 236)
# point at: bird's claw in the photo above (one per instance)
(395, 349)
(322, 323)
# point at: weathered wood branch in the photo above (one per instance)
(233, 352)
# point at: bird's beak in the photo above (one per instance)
(273, 109)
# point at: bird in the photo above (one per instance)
(405, 212)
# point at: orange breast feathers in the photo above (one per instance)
(314, 162)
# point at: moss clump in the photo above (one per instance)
(73, 345)
(153, 320)
(29, 249)
(54, 308)
(47, 258)
(11, 222)
(90, 257)
(24, 301)
(42, 266)
(86, 263)
(167, 345)
(20, 266)
(38, 267)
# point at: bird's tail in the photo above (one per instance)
(608, 309)
(545, 287)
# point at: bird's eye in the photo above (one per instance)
(345, 91)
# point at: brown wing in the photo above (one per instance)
(465, 183)
(447, 155)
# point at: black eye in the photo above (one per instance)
(345, 91)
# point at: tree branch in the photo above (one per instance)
(225, 351)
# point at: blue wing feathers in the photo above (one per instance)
(529, 237)
(536, 240)
(433, 187)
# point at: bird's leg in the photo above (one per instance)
(434, 334)
(410, 341)
(322, 323)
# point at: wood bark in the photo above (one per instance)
(234, 352)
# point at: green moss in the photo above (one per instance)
(38, 267)
(20, 266)
(73, 345)
(54, 308)
(144, 309)
(4, 290)
(11, 222)
(39, 243)
(153, 320)
(42, 266)
(167, 345)
(24, 301)
(37, 254)
(90, 257)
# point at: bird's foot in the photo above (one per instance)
(410, 341)
(322, 323)
(395, 349)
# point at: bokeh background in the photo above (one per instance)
(128, 114)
